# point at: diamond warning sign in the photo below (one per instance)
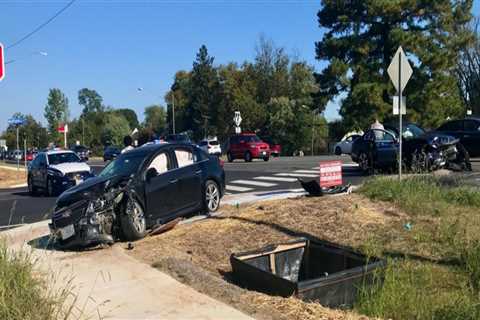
(330, 174)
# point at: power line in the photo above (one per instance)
(41, 26)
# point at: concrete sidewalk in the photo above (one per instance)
(109, 284)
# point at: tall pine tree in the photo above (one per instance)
(360, 40)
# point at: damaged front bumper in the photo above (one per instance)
(72, 226)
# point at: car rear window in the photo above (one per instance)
(213, 143)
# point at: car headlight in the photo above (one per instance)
(95, 206)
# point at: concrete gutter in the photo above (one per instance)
(109, 284)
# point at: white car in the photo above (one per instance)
(344, 146)
(211, 146)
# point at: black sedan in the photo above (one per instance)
(142, 188)
(422, 151)
(467, 131)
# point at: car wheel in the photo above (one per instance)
(266, 159)
(419, 163)
(364, 163)
(133, 221)
(230, 157)
(31, 188)
(50, 189)
(338, 151)
(211, 196)
(248, 156)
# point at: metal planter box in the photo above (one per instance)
(312, 270)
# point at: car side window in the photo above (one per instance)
(471, 125)
(452, 126)
(160, 163)
(184, 157)
(41, 161)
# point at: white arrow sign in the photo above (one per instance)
(400, 66)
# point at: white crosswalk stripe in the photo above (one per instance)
(307, 171)
(237, 188)
(254, 183)
(301, 175)
(280, 179)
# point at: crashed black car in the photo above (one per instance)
(142, 188)
(422, 151)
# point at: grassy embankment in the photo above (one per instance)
(438, 275)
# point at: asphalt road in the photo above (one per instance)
(17, 206)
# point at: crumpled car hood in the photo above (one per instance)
(442, 137)
(90, 188)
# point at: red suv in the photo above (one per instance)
(247, 146)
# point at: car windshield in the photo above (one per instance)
(251, 139)
(123, 166)
(57, 158)
(412, 131)
(80, 148)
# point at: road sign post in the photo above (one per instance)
(400, 72)
(2, 63)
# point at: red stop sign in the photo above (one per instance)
(2, 63)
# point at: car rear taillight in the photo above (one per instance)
(253, 145)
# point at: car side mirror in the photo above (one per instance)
(151, 173)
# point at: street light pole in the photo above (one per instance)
(173, 111)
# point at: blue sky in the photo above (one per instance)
(117, 46)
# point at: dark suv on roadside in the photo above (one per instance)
(467, 130)
(247, 146)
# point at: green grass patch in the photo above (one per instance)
(26, 295)
(443, 282)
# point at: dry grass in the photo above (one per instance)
(11, 177)
(198, 254)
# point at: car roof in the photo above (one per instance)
(147, 149)
(49, 152)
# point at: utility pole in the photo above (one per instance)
(18, 148)
(83, 131)
(173, 111)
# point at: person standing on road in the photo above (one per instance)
(377, 126)
(127, 142)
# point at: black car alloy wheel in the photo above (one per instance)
(364, 162)
(133, 221)
(212, 196)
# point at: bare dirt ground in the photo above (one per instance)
(10, 178)
(198, 254)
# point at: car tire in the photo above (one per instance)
(364, 163)
(32, 190)
(50, 190)
(230, 157)
(133, 221)
(338, 151)
(419, 162)
(266, 159)
(211, 197)
(248, 156)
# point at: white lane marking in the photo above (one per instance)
(297, 190)
(305, 175)
(237, 188)
(254, 183)
(307, 171)
(276, 179)
(228, 193)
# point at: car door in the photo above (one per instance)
(234, 146)
(189, 178)
(41, 171)
(471, 136)
(385, 148)
(161, 187)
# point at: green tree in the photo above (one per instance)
(92, 119)
(204, 95)
(91, 101)
(56, 112)
(155, 119)
(359, 41)
(130, 115)
(115, 129)
(31, 130)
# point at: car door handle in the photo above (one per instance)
(198, 172)
(173, 181)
